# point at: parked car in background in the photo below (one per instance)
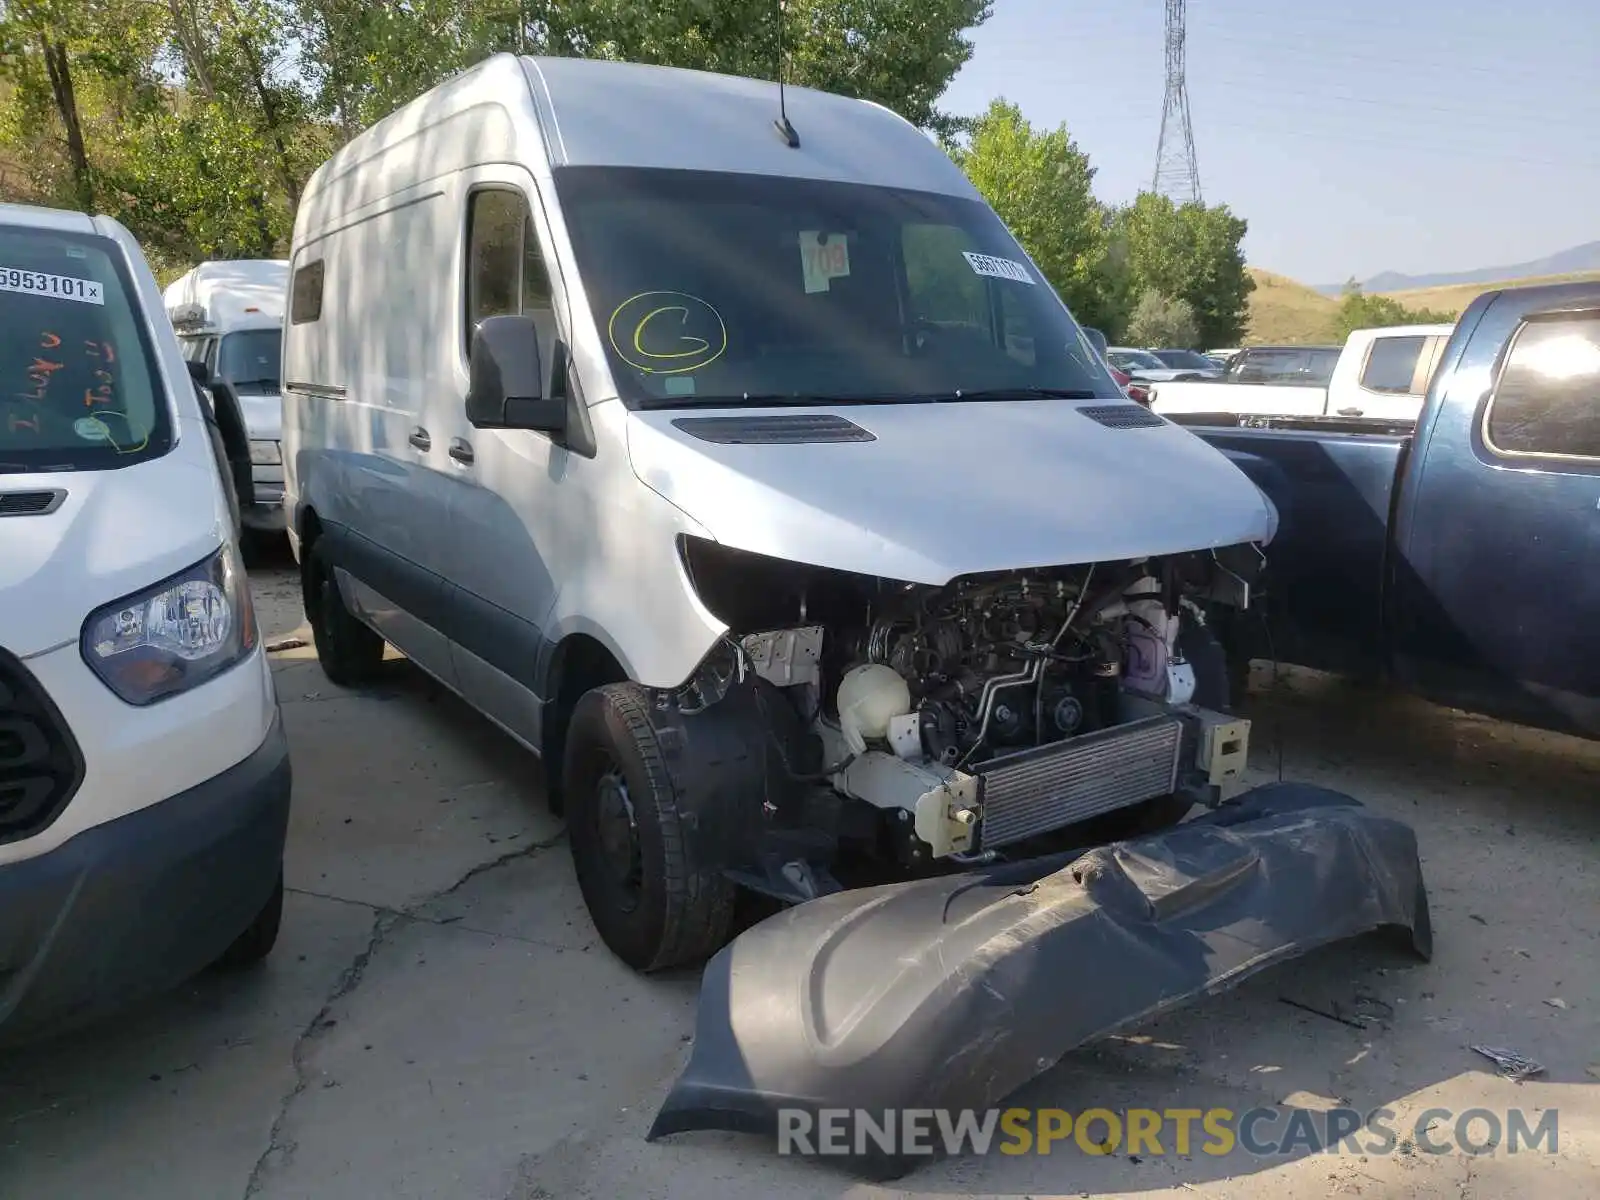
(1377, 373)
(1131, 390)
(229, 315)
(1142, 365)
(1192, 363)
(144, 771)
(1221, 357)
(1453, 553)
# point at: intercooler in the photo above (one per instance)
(1040, 790)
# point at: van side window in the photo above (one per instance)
(305, 294)
(1391, 364)
(1547, 400)
(506, 274)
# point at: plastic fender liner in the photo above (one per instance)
(955, 991)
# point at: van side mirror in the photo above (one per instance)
(505, 379)
(199, 372)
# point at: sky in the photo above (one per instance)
(1408, 135)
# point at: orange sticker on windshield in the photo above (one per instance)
(824, 257)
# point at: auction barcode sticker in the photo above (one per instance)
(58, 287)
(997, 268)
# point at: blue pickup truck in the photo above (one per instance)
(1459, 556)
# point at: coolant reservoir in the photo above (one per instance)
(870, 696)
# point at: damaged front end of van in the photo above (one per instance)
(950, 993)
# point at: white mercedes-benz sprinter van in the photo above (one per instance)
(738, 461)
(144, 775)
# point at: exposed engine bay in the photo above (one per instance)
(959, 720)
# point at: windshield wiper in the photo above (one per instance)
(782, 399)
(776, 399)
(1021, 393)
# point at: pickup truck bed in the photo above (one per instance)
(1459, 557)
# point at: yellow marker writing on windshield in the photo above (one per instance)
(638, 335)
(677, 350)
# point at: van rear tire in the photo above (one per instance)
(349, 652)
(654, 904)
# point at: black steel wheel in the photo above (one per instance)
(349, 653)
(652, 901)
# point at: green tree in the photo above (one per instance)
(66, 63)
(1191, 252)
(1360, 311)
(1163, 323)
(365, 59)
(1040, 184)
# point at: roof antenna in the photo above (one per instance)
(785, 130)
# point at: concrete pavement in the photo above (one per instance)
(440, 1021)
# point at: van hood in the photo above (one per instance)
(263, 412)
(115, 533)
(925, 492)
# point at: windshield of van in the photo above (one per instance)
(712, 288)
(251, 357)
(77, 388)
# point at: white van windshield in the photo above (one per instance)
(251, 357)
(77, 389)
(713, 288)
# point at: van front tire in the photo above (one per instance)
(259, 937)
(653, 903)
(349, 653)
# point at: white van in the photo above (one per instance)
(144, 775)
(229, 316)
(741, 465)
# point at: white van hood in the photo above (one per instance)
(951, 489)
(263, 413)
(116, 533)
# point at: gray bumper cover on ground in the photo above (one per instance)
(954, 992)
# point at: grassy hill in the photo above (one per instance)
(1452, 298)
(1283, 311)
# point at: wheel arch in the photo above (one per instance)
(578, 663)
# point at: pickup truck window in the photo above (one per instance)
(1547, 399)
(1391, 364)
(1311, 367)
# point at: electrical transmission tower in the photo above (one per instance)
(1177, 169)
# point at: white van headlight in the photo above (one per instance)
(175, 635)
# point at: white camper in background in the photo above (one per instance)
(229, 316)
